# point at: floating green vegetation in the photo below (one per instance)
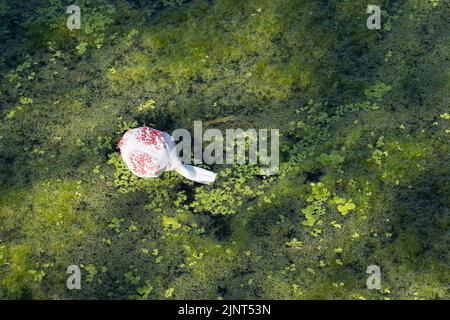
(364, 156)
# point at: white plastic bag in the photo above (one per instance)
(148, 152)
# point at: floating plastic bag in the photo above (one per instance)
(148, 152)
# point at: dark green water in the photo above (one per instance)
(364, 155)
